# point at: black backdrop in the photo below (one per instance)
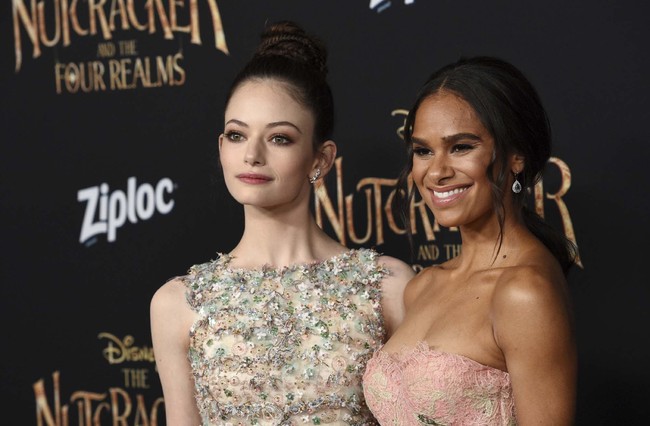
(75, 311)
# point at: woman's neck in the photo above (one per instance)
(281, 239)
(485, 244)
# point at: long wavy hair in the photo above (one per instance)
(510, 109)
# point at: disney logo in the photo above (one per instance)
(118, 351)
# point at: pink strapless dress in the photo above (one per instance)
(422, 386)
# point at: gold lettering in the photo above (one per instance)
(377, 183)
(58, 69)
(31, 16)
(452, 250)
(114, 74)
(567, 224)
(72, 77)
(115, 354)
(173, 18)
(57, 24)
(424, 216)
(141, 417)
(428, 252)
(106, 50)
(98, 76)
(154, 411)
(128, 48)
(135, 378)
(87, 76)
(350, 220)
(392, 224)
(194, 22)
(43, 411)
(117, 403)
(65, 25)
(104, 406)
(374, 210)
(404, 112)
(85, 405)
(97, 13)
(322, 199)
(120, 418)
(163, 70)
(162, 15)
(118, 351)
(141, 73)
(125, 71)
(75, 20)
(133, 18)
(118, 8)
(219, 35)
(20, 14)
(181, 72)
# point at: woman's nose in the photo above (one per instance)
(254, 154)
(439, 168)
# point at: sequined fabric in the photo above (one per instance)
(422, 386)
(285, 346)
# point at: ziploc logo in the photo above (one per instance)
(107, 211)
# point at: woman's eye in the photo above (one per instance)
(461, 147)
(280, 140)
(421, 152)
(234, 136)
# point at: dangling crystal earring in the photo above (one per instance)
(314, 178)
(516, 186)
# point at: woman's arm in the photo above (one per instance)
(532, 326)
(393, 284)
(171, 319)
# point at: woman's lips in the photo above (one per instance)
(444, 197)
(253, 178)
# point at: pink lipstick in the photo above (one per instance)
(253, 178)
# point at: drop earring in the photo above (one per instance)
(516, 186)
(314, 178)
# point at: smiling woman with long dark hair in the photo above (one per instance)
(487, 336)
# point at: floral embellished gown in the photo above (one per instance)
(285, 346)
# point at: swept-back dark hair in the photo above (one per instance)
(290, 55)
(510, 109)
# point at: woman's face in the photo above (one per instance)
(451, 153)
(266, 148)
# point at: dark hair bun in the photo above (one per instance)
(287, 39)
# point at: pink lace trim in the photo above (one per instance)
(420, 385)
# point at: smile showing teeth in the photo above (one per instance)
(448, 194)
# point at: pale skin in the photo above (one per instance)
(510, 312)
(267, 156)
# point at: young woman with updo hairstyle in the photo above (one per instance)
(487, 336)
(278, 330)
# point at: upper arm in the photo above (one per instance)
(171, 319)
(532, 326)
(393, 284)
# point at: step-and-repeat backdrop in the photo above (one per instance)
(110, 185)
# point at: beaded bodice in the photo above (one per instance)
(285, 346)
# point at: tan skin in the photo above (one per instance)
(510, 312)
(269, 135)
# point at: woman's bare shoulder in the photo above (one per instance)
(170, 297)
(539, 277)
(530, 294)
(425, 278)
(397, 268)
